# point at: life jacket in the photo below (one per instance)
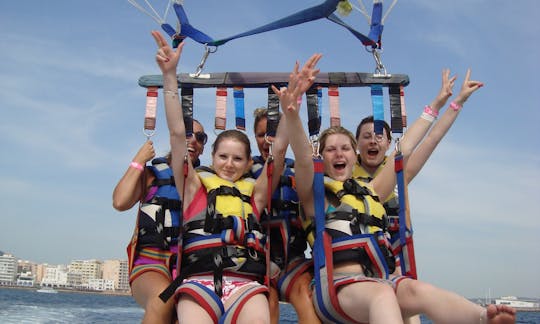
(357, 225)
(391, 204)
(287, 235)
(226, 236)
(159, 216)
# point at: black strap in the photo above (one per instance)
(187, 109)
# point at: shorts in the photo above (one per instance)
(156, 260)
(231, 284)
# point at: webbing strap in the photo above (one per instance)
(333, 101)
(150, 111)
(221, 108)
(238, 94)
(378, 108)
(187, 110)
(396, 122)
(401, 196)
(403, 111)
(314, 115)
(269, 175)
(323, 10)
(320, 215)
(272, 113)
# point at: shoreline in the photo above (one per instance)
(65, 290)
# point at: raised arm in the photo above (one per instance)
(130, 187)
(385, 181)
(167, 60)
(299, 83)
(419, 156)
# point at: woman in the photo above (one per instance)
(288, 241)
(152, 252)
(222, 245)
(363, 295)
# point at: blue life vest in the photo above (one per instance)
(159, 217)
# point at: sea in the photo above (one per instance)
(29, 306)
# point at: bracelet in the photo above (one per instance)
(428, 110)
(455, 106)
(171, 92)
(136, 165)
(427, 117)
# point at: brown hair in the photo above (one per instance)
(370, 119)
(332, 131)
(235, 135)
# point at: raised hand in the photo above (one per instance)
(446, 90)
(145, 153)
(166, 57)
(467, 88)
(299, 83)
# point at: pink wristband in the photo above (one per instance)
(428, 110)
(136, 165)
(455, 106)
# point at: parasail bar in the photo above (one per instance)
(265, 79)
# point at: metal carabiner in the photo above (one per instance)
(380, 70)
(315, 145)
(207, 52)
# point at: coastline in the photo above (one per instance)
(65, 290)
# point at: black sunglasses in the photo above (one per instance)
(201, 137)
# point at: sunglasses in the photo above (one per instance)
(201, 137)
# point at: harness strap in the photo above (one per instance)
(405, 225)
(221, 108)
(396, 122)
(357, 219)
(378, 108)
(150, 111)
(333, 100)
(272, 113)
(314, 114)
(269, 175)
(238, 94)
(403, 110)
(187, 109)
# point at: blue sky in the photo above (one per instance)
(72, 117)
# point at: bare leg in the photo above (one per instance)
(189, 311)
(273, 300)
(146, 289)
(300, 298)
(254, 311)
(371, 302)
(441, 306)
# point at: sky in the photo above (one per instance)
(72, 118)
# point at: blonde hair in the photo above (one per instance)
(333, 131)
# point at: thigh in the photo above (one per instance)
(189, 311)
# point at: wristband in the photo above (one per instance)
(455, 106)
(427, 117)
(136, 165)
(428, 110)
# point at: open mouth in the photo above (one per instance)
(340, 166)
(372, 152)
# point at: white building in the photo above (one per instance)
(89, 269)
(517, 303)
(117, 270)
(8, 270)
(55, 276)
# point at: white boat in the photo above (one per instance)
(518, 304)
(47, 290)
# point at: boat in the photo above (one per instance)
(518, 303)
(47, 290)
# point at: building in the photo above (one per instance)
(54, 276)
(117, 271)
(89, 269)
(8, 270)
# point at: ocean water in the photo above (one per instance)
(29, 306)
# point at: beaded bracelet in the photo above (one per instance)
(136, 165)
(427, 117)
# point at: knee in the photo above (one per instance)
(415, 288)
(301, 288)
(383, 294)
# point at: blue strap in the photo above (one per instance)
(238, 94)
(376, 27)
(320, 215)
(324, 10)
(401, 196)
(378, 108)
